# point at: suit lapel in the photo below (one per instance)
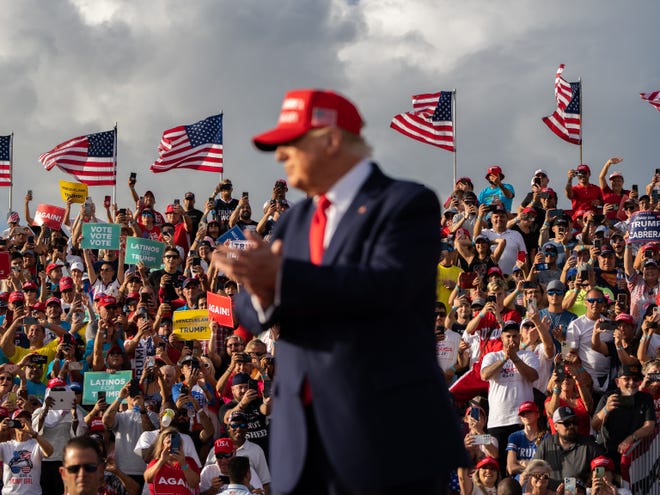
(357, 213)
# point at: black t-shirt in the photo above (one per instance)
(195, 216)
(223, 211)
(177, 281)
(531, 239)
(257, 424)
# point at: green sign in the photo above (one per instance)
(101, 235)
(145, 250)
(110, 383)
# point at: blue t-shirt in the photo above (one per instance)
(556, 319)
(524, 448)
(488, 194)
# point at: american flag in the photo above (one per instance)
(431, 121)
(197, 146)
(5, 161)
(91, 158)
(565, 122)
(652, 98)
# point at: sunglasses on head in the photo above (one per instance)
(75, 468)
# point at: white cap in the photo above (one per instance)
(77, 265)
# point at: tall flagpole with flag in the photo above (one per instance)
(453, 113)
(11, 171)
(6, 158)
(114, 167)
(581, 117)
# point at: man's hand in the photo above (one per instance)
(255, 268)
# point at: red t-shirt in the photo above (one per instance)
(583, 197)
(170, 480)
(584, 420)
(610, 197)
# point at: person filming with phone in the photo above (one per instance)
(171, 471)
(624, 415)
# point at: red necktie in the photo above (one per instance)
(317, 230)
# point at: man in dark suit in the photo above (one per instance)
(350, 277)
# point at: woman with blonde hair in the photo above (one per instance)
(484, 480)
(170, 472)
(534, 479)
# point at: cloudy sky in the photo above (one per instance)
(78, 66)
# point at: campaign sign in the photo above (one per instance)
(145, 250)
(233, 234)
(49, 216)
(644, 227)
(5, 267)
(220, 309)
(101, 381)
(101, 236)
(74, 190)
(191, 324)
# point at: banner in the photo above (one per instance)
(5, 265)
(145, 250)
(644, 227)
(74, 190)
(191, 324)
(220, 309)
(111, 383)
(49, 216)
(233, 234)
(101, 235)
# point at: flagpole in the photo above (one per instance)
(453, 113)
(222, 119)
(581, 118)
(11, 170)
(114, 159)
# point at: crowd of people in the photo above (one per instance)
(546, 331)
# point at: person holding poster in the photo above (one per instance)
(360, 240)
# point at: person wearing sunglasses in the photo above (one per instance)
(568, 453)
(624, 415)
(579, 338)
(535, 478)
(22, 454)
(215, 476)
(559, 317)
(82, 470)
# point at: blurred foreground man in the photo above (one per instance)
(350, 278)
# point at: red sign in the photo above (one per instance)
(4, 265)
(220, 309)
(49, 216)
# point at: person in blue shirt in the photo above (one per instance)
(497, 190)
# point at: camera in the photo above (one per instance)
(491, 298)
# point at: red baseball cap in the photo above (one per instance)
(604, 461)
(56, 382)
(52, 266)
(223, 446)
(53, 300)
(307, 109)
(29, 285)
(96, 425)
(528, 406)
(488, 461)
(169, 209)
(38, 306)
(584, 168)
(107, 301)
(16, 296)
(495, 170)
(66, 283)
(625, 317)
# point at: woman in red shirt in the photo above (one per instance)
(170, 472)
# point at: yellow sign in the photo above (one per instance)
(191, 324)
(74, 190)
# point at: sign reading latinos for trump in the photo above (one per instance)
(644, 227)
(5, 263)
(74, 190)
(101, 381)
(145, 250)
(191, 324)
(101, 235)
(49, 216)
(220, 309)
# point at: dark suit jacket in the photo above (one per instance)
(360, 328)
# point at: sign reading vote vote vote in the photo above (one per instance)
(145, 250)
(101, 235)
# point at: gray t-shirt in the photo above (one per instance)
(127, 429)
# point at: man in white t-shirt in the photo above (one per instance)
(578, 336)
(514, 241)
(447, 341)
(510, 374)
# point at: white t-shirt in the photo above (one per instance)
(128, 428)
(257, 459)
(21, 469)
(213, 471)
(545, 368)
(514, 243)
(447, 350)
(508, 389)
(578, 336)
